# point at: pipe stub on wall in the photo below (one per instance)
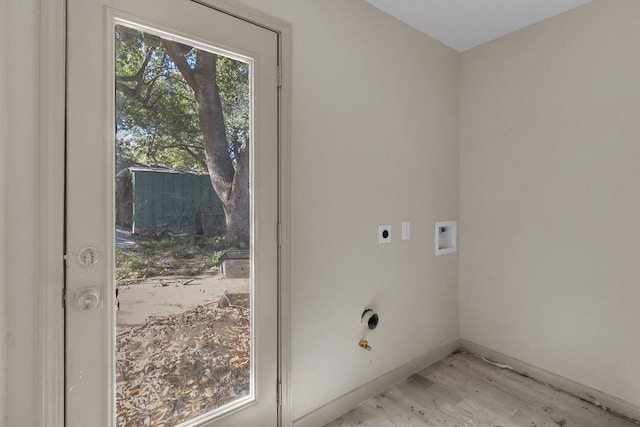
(370, 318)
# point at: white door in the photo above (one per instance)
(171, 216)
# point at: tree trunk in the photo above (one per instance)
(230, 184)
(237, 210)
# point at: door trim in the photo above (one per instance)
(51, 189)
(50, 215)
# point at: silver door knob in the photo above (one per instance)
(87, 299)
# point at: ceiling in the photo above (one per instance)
(464, 24)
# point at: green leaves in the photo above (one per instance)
(156, 109)
(233, 86)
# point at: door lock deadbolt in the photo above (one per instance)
(89, 256)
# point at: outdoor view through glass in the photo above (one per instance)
(182, 229)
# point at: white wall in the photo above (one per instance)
(550, 195)
(374, 142)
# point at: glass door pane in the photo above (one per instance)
(183, 229)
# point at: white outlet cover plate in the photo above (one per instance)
(381, 230)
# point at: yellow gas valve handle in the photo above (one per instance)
(365, 344)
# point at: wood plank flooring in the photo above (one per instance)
(462, 390)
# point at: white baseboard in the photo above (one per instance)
(598, 398)
(343, 404)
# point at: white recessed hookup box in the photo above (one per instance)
(446, 235)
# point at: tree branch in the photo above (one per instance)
(138, 78)
(177, 52)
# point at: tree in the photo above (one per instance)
(186, 107)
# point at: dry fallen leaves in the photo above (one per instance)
(174, 368)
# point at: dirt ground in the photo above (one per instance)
(166, 295)
(182, 348)
(177, 367)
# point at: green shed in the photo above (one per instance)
(157, 200)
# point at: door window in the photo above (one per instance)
(183, 232)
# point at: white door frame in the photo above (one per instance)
(51, 161)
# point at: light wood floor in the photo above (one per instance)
(462, 390)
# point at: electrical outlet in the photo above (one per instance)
(384, 234)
